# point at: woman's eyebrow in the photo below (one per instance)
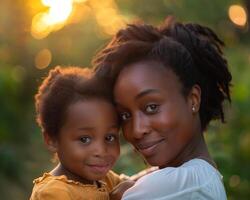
(146, 92)
(140, 95)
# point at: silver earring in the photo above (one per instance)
(193, 108)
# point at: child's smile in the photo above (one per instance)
(88, 143)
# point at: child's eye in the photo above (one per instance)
(85, 139)
(110, 138)
(152, 108)
(124, 116)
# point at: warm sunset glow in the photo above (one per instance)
(65, 12)
(59, 11)
(43, 59)
(80, 1)
(237, 15)
(53, 19)
(39, 29)
(107, 16)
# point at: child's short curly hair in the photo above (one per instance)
(61, 88)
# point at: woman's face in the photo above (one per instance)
(156, 118)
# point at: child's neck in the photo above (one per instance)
(61, 170)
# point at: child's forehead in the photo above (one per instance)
(89, 104)
(91, 111)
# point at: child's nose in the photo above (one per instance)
(100, 149)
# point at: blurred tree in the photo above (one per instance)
(22, 153)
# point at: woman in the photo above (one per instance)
(168, 83)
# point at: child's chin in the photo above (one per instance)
(99, 171)
(97, 177)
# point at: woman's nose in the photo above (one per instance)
(140, 126)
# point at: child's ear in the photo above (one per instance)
(195, 98)
(50, 142)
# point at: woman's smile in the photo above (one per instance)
(147, 148)
(147, 128)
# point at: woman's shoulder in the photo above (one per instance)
(191, 176)
(194, 170)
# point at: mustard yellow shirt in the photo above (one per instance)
(49, 187)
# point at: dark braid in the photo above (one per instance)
(205, 49)
(192, 51)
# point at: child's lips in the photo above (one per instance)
(99, 168)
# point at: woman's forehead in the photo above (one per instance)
(145, 74)
(140, 77)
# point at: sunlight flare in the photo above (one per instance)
(237, 15)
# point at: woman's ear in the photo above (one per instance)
(50, 142)
(195, 98)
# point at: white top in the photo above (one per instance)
(195, 179)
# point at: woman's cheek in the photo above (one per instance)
(127, 131)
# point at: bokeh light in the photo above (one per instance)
(237, 15)
(63, 12)
(52, 20)
(80, 1)
(43, 59)
(234, 181)
(18, 73)
(107, 16)
(59, 11)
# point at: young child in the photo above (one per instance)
(79, 124)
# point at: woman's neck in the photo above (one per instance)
(195, 149)
(61, 170)
(198, 149)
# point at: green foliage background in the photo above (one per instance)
(22, 153)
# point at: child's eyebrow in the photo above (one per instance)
(89, 128)
(86, 128)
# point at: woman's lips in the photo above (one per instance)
(147, 148)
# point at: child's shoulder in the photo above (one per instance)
(48, 179)
(112, 179)
(57, 187)
(50, 187)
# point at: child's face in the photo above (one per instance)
(88, 143)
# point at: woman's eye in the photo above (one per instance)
(124, 116)
(85, 139)
(152, 108)
(110, 138)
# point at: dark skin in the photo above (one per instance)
(160, 122)
(88, 143)
(118, 191)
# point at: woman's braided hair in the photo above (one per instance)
(192, 51)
